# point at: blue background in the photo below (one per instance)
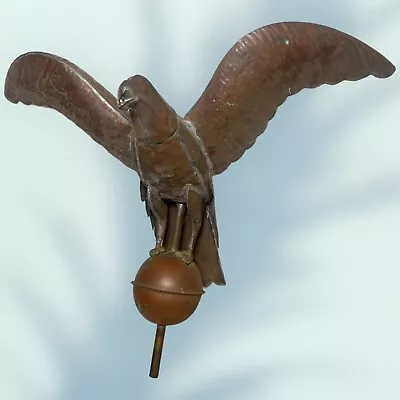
(309, 219)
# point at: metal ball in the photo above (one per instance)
(166, 290)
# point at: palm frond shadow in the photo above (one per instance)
(109, 362)
(120, 346)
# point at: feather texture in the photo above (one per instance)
(47, 80)
(262, 70)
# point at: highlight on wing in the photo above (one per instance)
(176, 157)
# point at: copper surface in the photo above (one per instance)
(176, 158)
(167, 290)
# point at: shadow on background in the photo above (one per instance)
(261, 202)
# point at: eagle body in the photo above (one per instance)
(176, 158)
(175, 165)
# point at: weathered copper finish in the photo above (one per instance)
(176, 158)
(262, 70)
(167, 290)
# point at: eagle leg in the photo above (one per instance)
(195, 210)
(159, 211)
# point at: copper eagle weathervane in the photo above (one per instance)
(176, 157)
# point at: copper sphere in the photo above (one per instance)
(166, 290)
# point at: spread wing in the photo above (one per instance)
(50, 81)
(265, 67)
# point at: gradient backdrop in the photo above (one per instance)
(309, 219)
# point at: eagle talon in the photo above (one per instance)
(157, 250)
(186, 256)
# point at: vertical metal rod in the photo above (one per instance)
(177, 233)
(157, 351)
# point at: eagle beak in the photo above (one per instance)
(124, 102)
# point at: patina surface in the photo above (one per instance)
(176, 157)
